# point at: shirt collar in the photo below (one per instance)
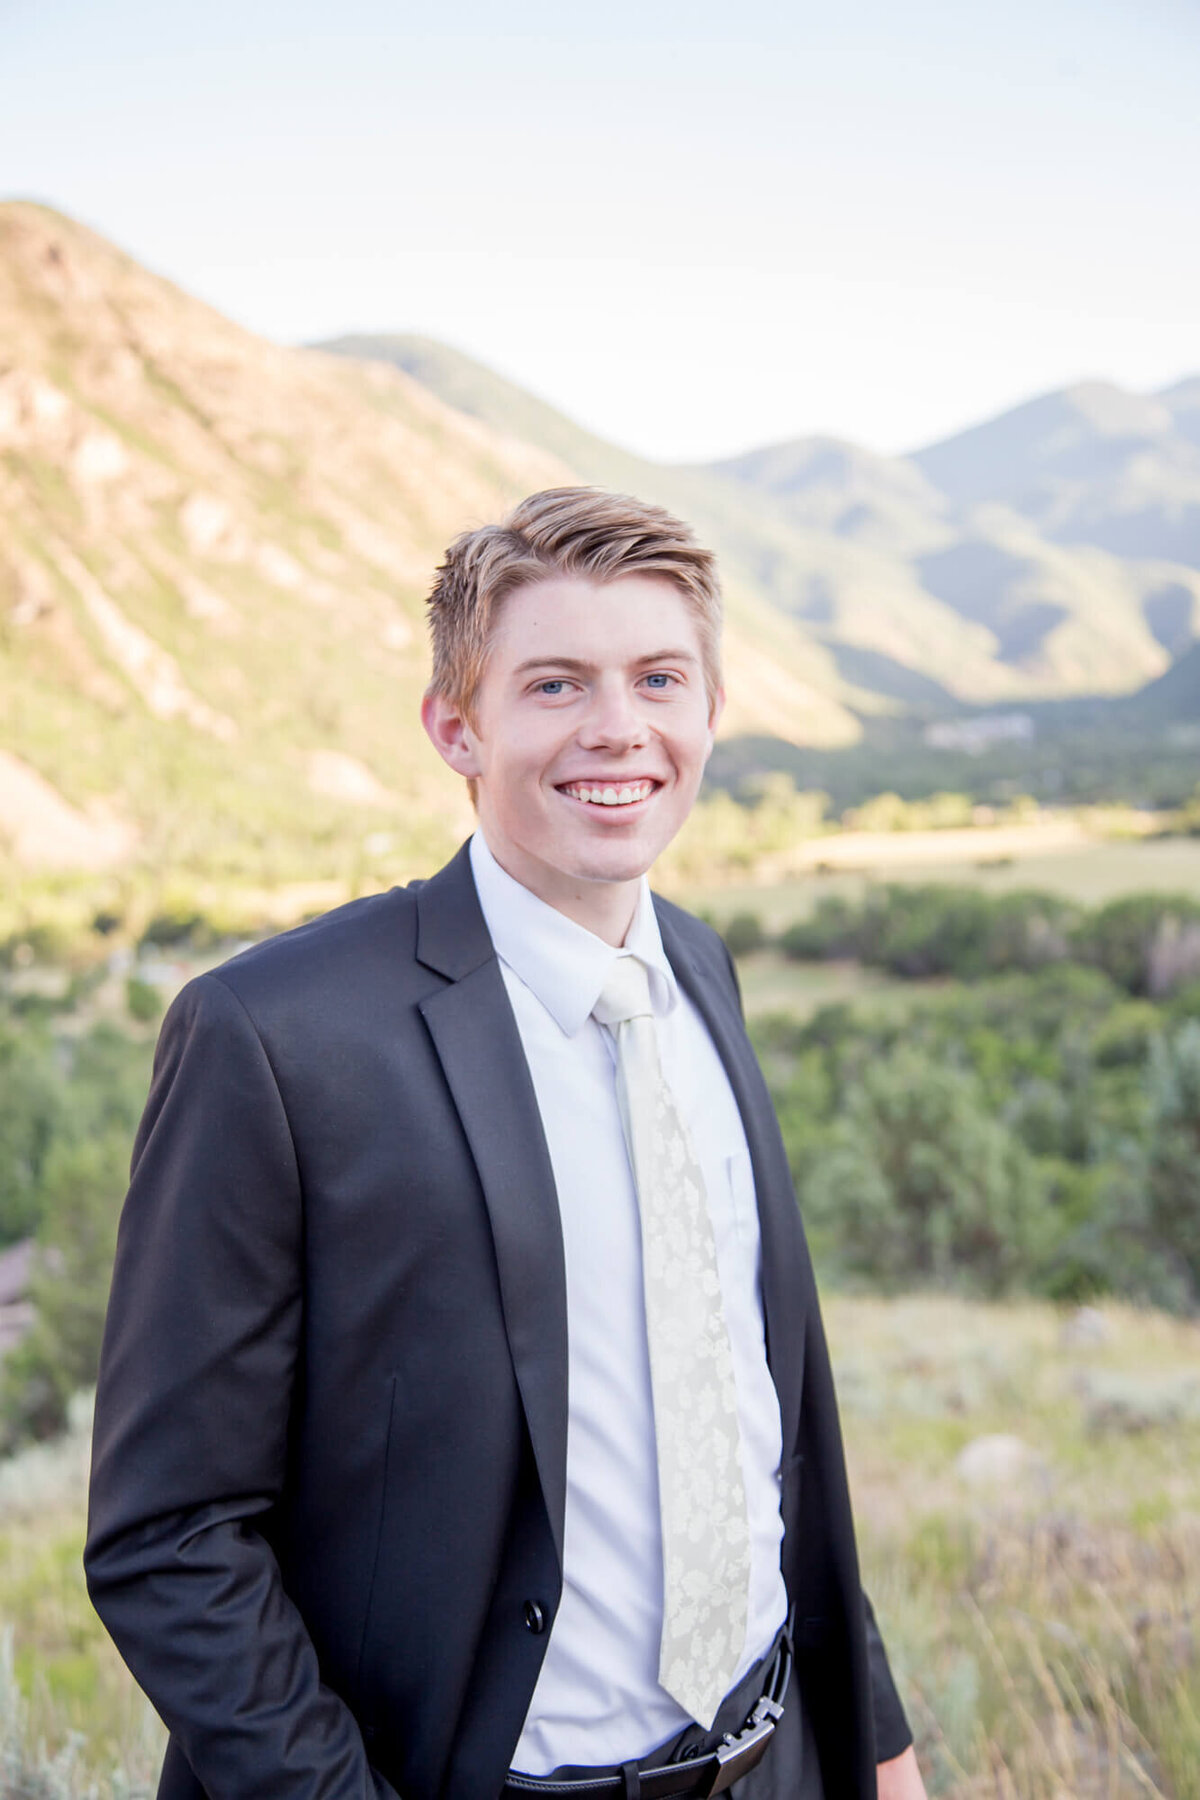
(563, 963)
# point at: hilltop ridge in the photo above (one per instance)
(213, 556)
(909, 581)
(214, 552)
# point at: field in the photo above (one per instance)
(1040, 1609)
(1026, 1480)
(72, 1723)
(1088, 872)
(1038, 1591)
(772, 984)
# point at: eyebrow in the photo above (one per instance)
(577, 666)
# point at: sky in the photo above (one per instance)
(694, 227)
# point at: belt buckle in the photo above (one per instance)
(744, 1750)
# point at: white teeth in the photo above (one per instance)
(626, 795)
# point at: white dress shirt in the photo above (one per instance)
(598, 1698)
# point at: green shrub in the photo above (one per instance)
(743, 933)
(32, 1115)
(920, 1182)
(1126, 1035)
(168, 929)
(1148, 943)
(1047, 1109)
(1185, 1003)
(143, 1000)
(83, 1187)
(934, 929)
(833, 929)
(44, 941)
(923, 931)
(1028, 929)
(1155, 1201)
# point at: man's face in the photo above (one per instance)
(592, 728)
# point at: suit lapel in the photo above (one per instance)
(477, 1042)
(779, 1218)
(476, 1038)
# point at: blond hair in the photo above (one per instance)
(561, 531)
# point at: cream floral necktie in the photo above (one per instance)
(702, 1497)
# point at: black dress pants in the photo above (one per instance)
(789, 1770)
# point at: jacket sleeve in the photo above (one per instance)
(192, 1414)
(892, 1734)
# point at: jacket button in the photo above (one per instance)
(535, 1617)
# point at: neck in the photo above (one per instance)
(605, 908)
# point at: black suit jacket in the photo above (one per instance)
(330, 1448)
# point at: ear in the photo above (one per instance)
(714, 719)
(450, 735)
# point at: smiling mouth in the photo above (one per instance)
(609, 793)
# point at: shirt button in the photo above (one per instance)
(535, 1617)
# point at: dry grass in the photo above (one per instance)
(1043, 1626)
(72, 1724)
(1042, 1623)
(773, 984)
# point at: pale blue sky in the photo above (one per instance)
(695, 227)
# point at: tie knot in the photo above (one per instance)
(625, 994)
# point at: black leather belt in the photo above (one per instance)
(709, 1773)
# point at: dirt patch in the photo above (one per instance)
(43, 829)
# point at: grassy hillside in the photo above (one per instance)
(1175, 696)
(213, 557)
(1025, 1486)
(1090, 464)
(213, 554)
(781, 679)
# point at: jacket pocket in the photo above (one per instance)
(391, 1394)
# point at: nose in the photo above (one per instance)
(614, 720)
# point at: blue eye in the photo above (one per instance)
(551, 687)
(658, 680)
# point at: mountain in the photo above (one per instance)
(924, 586)
(1092, 464)
(1068, 527)
(781, 679)
(1174, 699)
(471, 387)
(213, 553)
(827, 483)
(1183, 402)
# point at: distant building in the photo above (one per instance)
(977, 735)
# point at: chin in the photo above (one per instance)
(625, 864)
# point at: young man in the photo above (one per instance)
(465, 1425)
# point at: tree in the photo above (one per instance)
(919, 1182)
(1149, 943)
(1157, 1203)
(82, 1189)
(31, 1115)
(743, 933)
